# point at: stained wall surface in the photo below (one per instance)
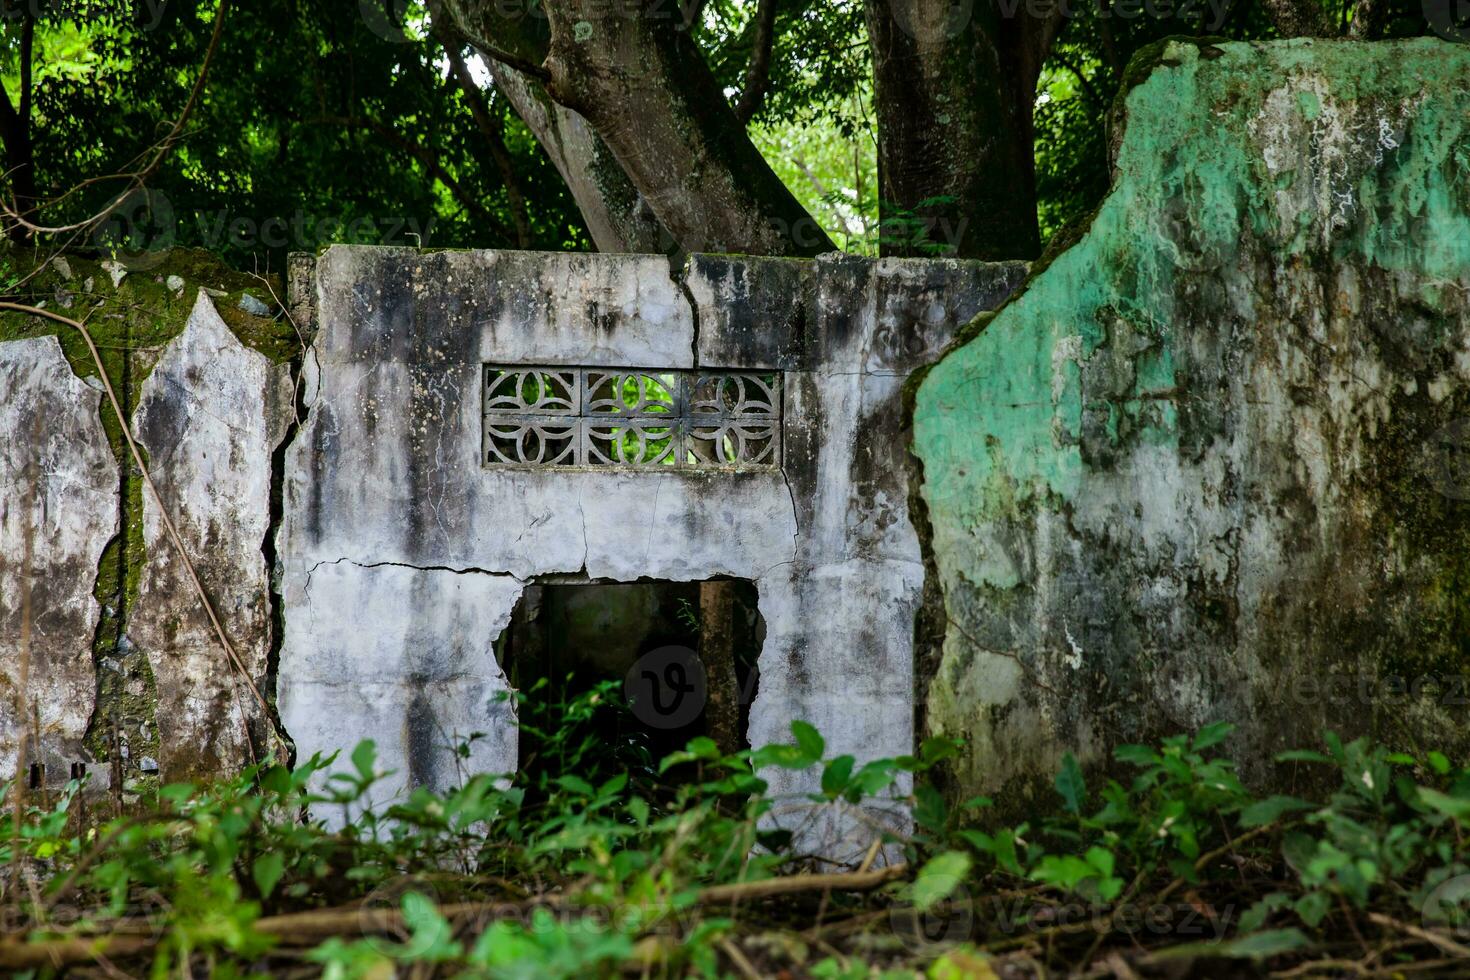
(58, 509)
(402, 553)
(1208, 465)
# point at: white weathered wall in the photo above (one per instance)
(402, 556)
(210, 415)
(58, 510)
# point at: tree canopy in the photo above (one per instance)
(976, 128)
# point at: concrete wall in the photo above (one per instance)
(106, 662)
(58, 509)
(1208, 464)
(402, 555)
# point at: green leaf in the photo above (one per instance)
(1102, 860)
(1305, 755)
(276, 779)
(1439, 762)
(576, 785)
(433, 938)
(936, 749)
(364, 757)
(1271, 809)
(837, 774)
(1065, 871)
(1137, 755)
(1070, 784)
(700, 749)
(1451, 806)
(1313, 907)
(267, 871)
(176, 793)
(784, 756)
(939, 877)
(1256, 915)
(809, 740)
(1212, 735)
(1257, 946)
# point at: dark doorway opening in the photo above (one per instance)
(612, 677)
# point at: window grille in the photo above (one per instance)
(552, 416)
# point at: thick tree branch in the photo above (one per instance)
(642, 82)
(616, 218)
(1299, 18)
(758, 72)
(490, 128)
(523, 65)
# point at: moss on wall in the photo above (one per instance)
(1183, 472)
(132, 313)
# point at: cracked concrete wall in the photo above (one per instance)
(210, 415)
(58, 510)
(1209, 463)
(402, 556)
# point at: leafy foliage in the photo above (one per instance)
(589, 874)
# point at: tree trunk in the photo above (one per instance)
(955, 86)
(631, 69)
(634, 98)
(717, 655)
(15, 131)
(617, 219)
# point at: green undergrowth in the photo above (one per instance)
(606, 864)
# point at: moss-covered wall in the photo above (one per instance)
(1202, 466)
(132, 312)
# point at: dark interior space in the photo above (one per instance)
(679, 659)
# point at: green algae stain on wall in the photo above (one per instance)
(1199, 407)
(131, 319)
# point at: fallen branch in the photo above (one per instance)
(1441, 942)
(798, 884)
(300, 928)
(59, 953)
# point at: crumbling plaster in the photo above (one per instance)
(58, 510)
(1207, 464)
(402, 556)
(209, 417)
